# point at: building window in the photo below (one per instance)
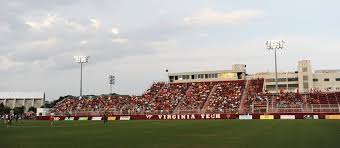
(305, 85)
(326, 79)
(337, 79)
(305, 78)
(186, 77)
(292, 79)
(271, 87)
(304, 69)
(293, 86)
(270, 80)
(281, 79)
(315, 80)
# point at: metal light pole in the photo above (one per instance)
(112, 80)
(274, 45)
(81, 60)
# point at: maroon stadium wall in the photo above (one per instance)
(197, 116)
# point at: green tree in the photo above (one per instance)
(19, 110)
(7, 110)
(2, 108)
(33, 109)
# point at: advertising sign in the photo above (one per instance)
(332, 117)
(267, 117)
(69, 118)
(96, 118)
(245, 117)
(287, 116)
(310, 117)
(124, 118)
(111, 118)
(83, 118)
(56, 118)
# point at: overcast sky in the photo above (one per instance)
(136, 40)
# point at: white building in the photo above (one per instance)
(238, 72)
(302, 80)
(18, 99)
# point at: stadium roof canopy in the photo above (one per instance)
(26, 95)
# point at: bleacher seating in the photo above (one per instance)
(208, 97)
(169, 97)
(226, 97)
(196, 96)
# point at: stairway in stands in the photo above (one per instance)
(177, 109)
(205, 106)
(244, 95)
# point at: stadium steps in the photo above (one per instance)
(209, 97)
(337, 96)
(244, 95)
(155, 96)
(177, 109)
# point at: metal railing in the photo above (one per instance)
(310, 108)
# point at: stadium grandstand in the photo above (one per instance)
(227, 91)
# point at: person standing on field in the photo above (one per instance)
(51, 119)
(105, 117)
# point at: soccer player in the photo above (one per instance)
(51, 119)
(105, 117)
(8, 120)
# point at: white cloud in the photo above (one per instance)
(53, 20)
(166, 44)
(45, 23)
(83, 42)
(48, 43)
(120, 40)
(7, 63)
(95, 23)
(115, 31)
(209, 16)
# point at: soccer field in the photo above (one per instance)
(170, 134)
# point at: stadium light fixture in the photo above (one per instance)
(275, 45)
(112, 81)
(81, 60)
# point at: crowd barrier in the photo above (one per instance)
(202, 116)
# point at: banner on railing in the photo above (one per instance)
(200, 117)
(124, 118)
(185, 117)
(56, 118)
(69, 118)
(267, 117)
(287, 117)
(332, 117)
(96, 118)
(111, 118)
(83, 118)
(310, 116)
(245, 117)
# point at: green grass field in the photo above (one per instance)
(170, 134)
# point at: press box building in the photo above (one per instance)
(302, 80)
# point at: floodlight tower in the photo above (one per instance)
(274, 45)
(81, 60)
(112, 80)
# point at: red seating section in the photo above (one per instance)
(209, 97)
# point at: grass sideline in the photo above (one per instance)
(171, 134)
